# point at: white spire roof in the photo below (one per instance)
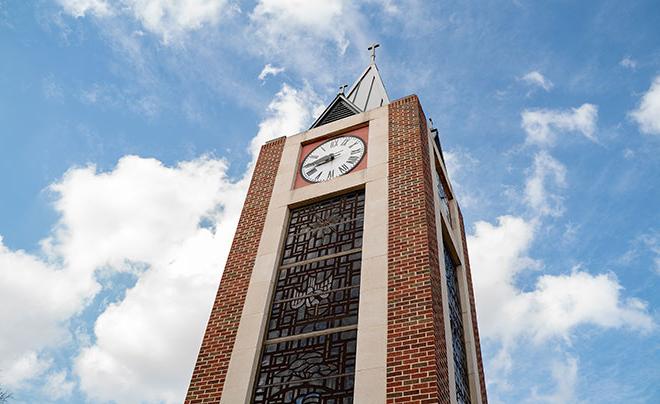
(368, 92)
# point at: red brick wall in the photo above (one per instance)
(211, 368)
(417, 369)
(475, 328)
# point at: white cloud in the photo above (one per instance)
(629, 63)
(287, 114)
(542, 125)
(556, 305)
(270, 70)
(171, 228)
(535, 78)
(36, 299)
(645, 246)
(547, 173)
(647, 114)
(285, 19)
(307, 37)
(172, 18)
(565, 375)
(184, 275)
(79, 8)
(169, 19)
(21, 367)
(57, 386)
(143, 212)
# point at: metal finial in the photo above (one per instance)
(372, 48)
(431, 120)
(342, 88)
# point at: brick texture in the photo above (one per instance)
(417, 370)
(475, 328)
(211, 368)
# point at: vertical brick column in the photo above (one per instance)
(417, 370)
(473, 310)
(211, 368)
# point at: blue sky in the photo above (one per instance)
(128, 129)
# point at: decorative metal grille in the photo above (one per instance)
(317, 296)
(309, 352)
(444, 200)
(308, 363)
(325, 228)
(458, 339)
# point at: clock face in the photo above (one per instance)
(332, 158)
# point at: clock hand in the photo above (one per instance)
(318, 161)
(322, 160)
(327, 159)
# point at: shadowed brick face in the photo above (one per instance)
(211, 368)
(473, 311)
(417, 370)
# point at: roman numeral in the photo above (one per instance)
(356, 151)
(334, 143)
(318, 176)
(346, 140)
(313, 156)
(343, 168)
(331, 174)
(352, 160)
(310, 172)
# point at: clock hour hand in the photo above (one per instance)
(318, 161)
(322, 160)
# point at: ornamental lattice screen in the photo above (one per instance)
(309, 352)
(457, 334)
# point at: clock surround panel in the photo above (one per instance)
(307, 148)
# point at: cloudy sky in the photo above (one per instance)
(128, 129)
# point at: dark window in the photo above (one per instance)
(444, 200)
(309, 352)
(458, 338)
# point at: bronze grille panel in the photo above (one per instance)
(324, 228)
(309, 352)
(316, 296)
(457, 335)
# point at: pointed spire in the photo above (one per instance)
(368, 92)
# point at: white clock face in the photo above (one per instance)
(333, 158)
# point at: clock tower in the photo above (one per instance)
(348, 280)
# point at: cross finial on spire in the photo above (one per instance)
(372, 48)
(342, 89)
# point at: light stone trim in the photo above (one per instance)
(371, 361)
(451, 235)
(441, 221)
